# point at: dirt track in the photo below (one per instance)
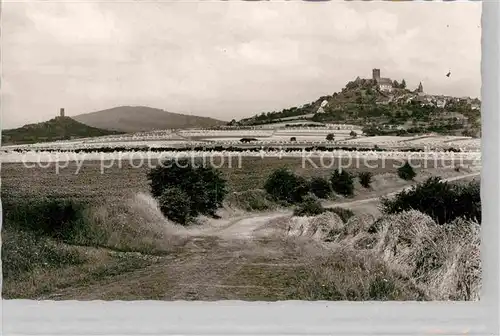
(242, 258)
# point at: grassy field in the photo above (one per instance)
(91, 183)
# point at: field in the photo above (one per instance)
(115, 179)
(264, 137)
(132, 252)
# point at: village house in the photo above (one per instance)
(321, 109)
(440, 102)
(424, 100)
(475, 104)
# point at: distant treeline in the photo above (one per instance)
(233, 149)
(440, 129)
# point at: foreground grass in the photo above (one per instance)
(368, 259)
(49, 243)
(34, 266)
(410, 250)
(352, 276)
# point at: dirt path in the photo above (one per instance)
(372, 200)
(244, 228)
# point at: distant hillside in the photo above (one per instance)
(365, 102)
(59, 128)
(142, 118)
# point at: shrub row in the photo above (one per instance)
(286, 186)
(230, 149)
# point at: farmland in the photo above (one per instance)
(303, 137)
(116, 179)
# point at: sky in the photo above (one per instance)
(226, 60)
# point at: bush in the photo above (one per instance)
(286, 186)
(440, 200)
(406, 172)
(320, 187)
(342, 182)
(203, 184)
(310, 206)
(293, 139)
(344, 214)
(330, 137)
(365, 178)
(353, 134)
(57, 218)
(175, 204)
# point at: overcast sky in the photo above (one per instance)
(226, 60)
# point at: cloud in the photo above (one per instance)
(225, 59)
(81, 22)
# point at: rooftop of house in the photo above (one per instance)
(385, 81)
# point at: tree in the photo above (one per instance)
(406, 172)
(353, 134)
(320, 187)
(330, 137)
(284, 185)
(342, 182)
(403, 84)
(365, 178)
(293, 139)
(203, 184)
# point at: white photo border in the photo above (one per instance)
(25, 317)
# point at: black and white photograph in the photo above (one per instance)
(250, 151)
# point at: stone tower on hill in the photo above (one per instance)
(383, 84)
(61, 112)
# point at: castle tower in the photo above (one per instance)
(376, 75)
(61, 112)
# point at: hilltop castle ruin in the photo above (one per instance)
(386, 84)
